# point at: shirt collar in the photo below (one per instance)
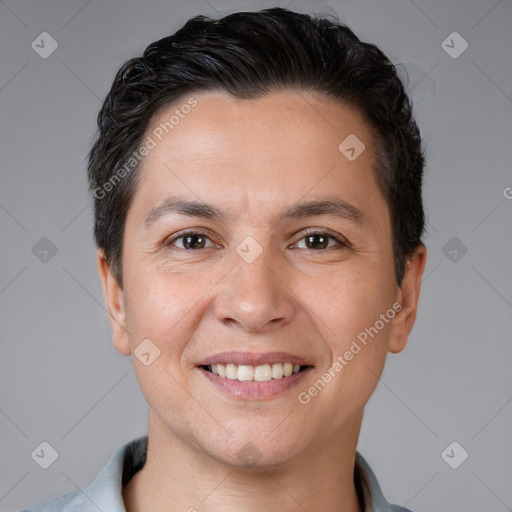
(106, 489)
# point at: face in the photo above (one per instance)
(284, 262)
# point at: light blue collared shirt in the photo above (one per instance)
(105, 492)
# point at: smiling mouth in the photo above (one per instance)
(260, 373)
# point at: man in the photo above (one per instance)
(258, 215)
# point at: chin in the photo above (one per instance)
(253, 452)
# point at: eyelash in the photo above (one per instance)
(340, 240)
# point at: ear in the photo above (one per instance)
(114, 299)
(408, 295)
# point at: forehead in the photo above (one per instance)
(284, 120)
(274, 149)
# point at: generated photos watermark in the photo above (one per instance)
(157, 134)
(355, 348)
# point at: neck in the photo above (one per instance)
(179, 477)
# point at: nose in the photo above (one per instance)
(255, 297)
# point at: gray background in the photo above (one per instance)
(61, 380)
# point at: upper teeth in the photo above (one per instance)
(260, 373)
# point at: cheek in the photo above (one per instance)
(349, 308)
(160, 309)
(167, 308)
(157, 302)
(347, 302)
(363, 348)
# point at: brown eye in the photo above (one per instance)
(191, 240)
(317, 241)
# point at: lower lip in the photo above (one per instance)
(253, 390)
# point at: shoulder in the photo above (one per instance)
(71, 501)
(373, 496)
(105, 492)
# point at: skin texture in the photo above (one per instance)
(254, 159)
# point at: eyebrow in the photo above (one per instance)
(329, 206)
